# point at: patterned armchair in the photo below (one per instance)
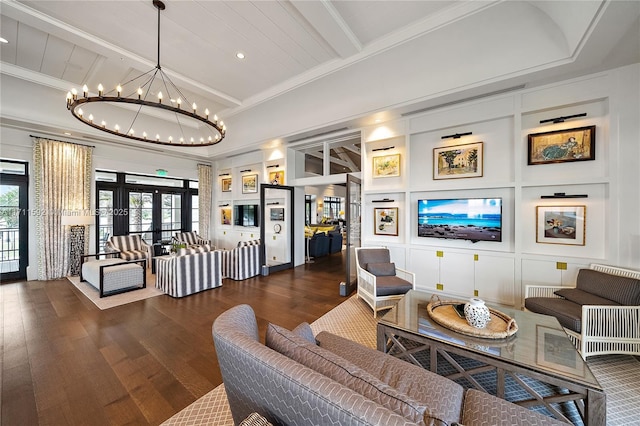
(129, 247)
(190, 238)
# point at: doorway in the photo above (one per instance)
(276, 227)
(14, 220)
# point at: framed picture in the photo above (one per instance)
(561, 146)
(226, 184)
(555, 351)
(386, 221)
(277, 213)
(225, 216)
(276, 177)
(386, 166)
(459, 161)
(249, 184)
(560, 225)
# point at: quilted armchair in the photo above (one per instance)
(601, 315)
(190, 238)
(129, 247)
(380, 283)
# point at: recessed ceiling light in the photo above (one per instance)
(240, 55)
(3, 40)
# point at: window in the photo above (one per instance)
(332, 207)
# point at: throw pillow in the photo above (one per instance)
(304, 330)
(382, 269)
(343, 372)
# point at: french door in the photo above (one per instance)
(14, 238)
(154, 215)
(353, 219)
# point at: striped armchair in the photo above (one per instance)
(129, 247)
(190, 271)
(190, 238)
(242, 262)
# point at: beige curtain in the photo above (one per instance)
(62, 174)
(205, 186)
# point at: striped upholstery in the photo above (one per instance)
(180, 276)
(130, 247)
(193, 250)
(190, 238)
(242, 262)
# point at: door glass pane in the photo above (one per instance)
(9, 228)
(105, 217)
(353, 227)
(195, 214)
(141, 215)
(171, 213)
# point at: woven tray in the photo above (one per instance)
(442, 312)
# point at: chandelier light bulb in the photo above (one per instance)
(90, 118)
(215, 118)
(209, 139)
(119, 90)
(179, 102)
(80, 112)
(85, 90)
(139, 92)
(74, 93)
(170, 138)
(160, 97)
(144, 135)
(191, 140)
(206, 112)
(131, 132)
(195, 107)
(181, 140)
(104, 124)
(202, 139)
(117, 129)
(100, 89)
(157, 137)
(69, 99)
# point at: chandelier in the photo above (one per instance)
(173, 125)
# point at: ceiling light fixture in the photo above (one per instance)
(240, 55)
(153, 117)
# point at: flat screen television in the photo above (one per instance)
(246, 215)
(473, 219)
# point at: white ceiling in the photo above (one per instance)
(291, 44)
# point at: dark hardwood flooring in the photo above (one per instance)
(65, 362)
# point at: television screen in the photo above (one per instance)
(474, 219)
(246, 215)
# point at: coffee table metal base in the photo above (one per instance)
(590, 403)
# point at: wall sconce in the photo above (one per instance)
(384, 200)
(383, 149)
(563, 195)
(456, 135)
(244, 171)
(563, 118)
(224, 174)
(223, 205)
(273, 165)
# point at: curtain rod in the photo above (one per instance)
(58, 140)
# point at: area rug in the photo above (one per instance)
(103, 303)
(619, 375)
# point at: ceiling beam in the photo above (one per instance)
(345, 157)
(330, 25)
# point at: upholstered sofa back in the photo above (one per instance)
(258, 379)
(182, 275)
(623, 290)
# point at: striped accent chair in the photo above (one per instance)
(243, 261)
(129, 247)
(186, 274)
(190, 238)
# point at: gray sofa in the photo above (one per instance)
(301, 379)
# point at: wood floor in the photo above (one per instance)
(65, 362)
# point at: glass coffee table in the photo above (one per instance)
(539, 360)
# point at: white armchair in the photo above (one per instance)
(601, 327)
(380, 283)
